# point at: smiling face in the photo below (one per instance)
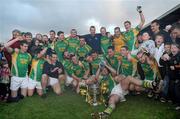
(92, 31)
(174, 49)
(52, 35)
(73, 33)
(167, 48)
(143, 58)
(124, 51)
(82, 41)
(145, 36)
(24, 47)
(104, 71)
(110, 53)
(159, 40)
(103, 31)
(154, 27)
(127, 26)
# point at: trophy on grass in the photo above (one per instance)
(94, 96)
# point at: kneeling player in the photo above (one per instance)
(36, 72)
(53, 75)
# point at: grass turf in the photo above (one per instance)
(73, 106)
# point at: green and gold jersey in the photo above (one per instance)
(60, 47)
(128, 67)
(83, 51)
(148, 72)
(105, 43)
(79, 69)
(114, 62)
(73, 44)
(67, 66)
(95, 65)
(151, 71)
(107, 82)
(130, 37)
(20, 62)
(36, 69)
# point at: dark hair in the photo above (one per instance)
(45, 36)
(93, 51)
(38, 50)
(159, 34)
(103, 28)
(16, 30)
(81, 37)
(92, 27)
(126, 47)
(23, 42)
(117, 28)
(167, 43)
(28, 34)
(60, 32)
(127, 22)
(175, 26)
(52, 53)
(155, 21)
(52, 31)
(111, 47)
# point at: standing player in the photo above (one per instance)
(61, 45)
(73, 42)
(131, 33)
(105, 41)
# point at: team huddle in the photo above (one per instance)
(120, 62)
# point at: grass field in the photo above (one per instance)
(73, 106)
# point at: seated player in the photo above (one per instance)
(118, 91)
(80, 73)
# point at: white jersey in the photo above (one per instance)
(149, 45)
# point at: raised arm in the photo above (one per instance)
(9, 49)
(141, 17)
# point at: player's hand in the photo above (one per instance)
(59, 70)
(172, 67)
(20, 38)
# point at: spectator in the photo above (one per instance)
(155, 29)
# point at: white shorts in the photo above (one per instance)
(18, 82)
(53, 81)
(117, 90)
(69, 80)
(32, 84)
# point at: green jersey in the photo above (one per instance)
(36, 69)
(114, 62)
(73, 44)
(79, 69)
(128, 67)
(148, 72)
(105, 43)
(130, 37)
(67, 66)
(95, 65)
(60, 47)
(107, 81)
(20, 62)
(83, 51)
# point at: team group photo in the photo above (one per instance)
(126, 72)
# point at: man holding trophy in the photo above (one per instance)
(131, 33)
